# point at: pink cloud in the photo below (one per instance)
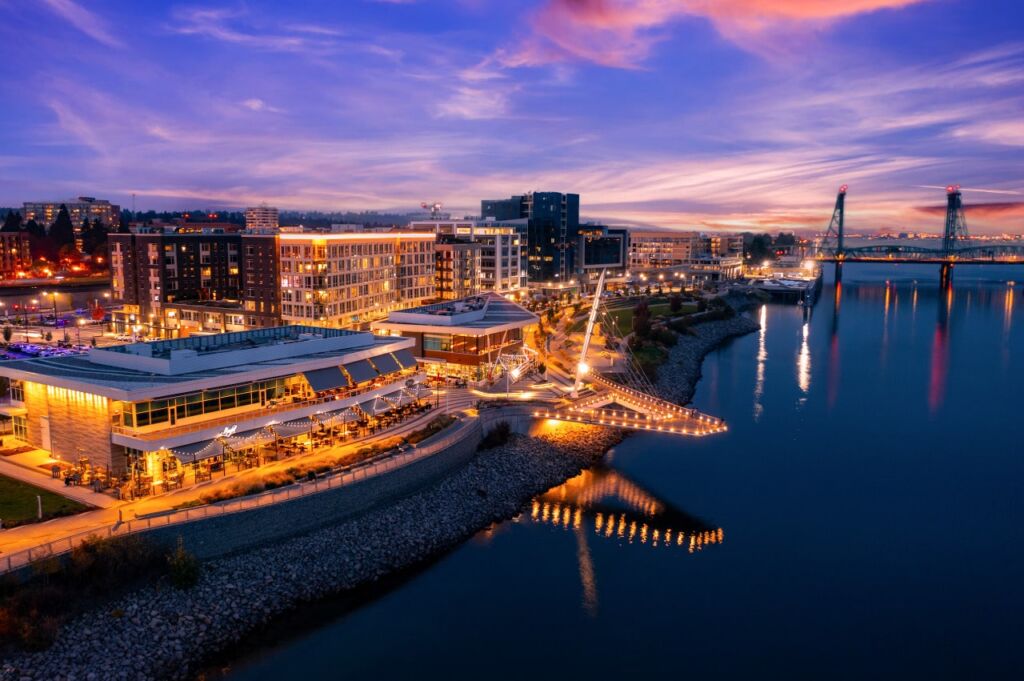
(621, 33)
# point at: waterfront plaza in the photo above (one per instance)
(153, 416)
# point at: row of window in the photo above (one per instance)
(200, 403)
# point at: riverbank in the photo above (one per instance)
(159, 632)
(679, 374)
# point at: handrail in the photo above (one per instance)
(170, 431)
(340, 478)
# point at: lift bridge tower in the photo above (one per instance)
(832, 243)
(955, 234)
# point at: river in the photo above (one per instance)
(862, 518)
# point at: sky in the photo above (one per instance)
(689, 114)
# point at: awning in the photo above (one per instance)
(405, 358)
(386, 364)
(361, 371)
(325, 379)
(376, 406)
(197, 451)
(338, 416)
(420, 390)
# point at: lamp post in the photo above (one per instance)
(78, 329)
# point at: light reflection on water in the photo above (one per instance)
(873, 512)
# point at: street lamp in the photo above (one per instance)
(81, 323)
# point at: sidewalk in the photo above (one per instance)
(28, 536)
(39, 478)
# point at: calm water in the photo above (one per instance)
(868, 498)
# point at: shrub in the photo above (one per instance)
(667, 338)
(183, 567)
(497, 436)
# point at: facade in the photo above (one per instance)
(262, 219)
(347, 279)
(602, 248)
(172, 282)
(456, 268)
(15, 253)
(464, 338)
(696, 256)
(553, 221)
(502, 250)
(650, 249)
(149, 413)
(80, 209)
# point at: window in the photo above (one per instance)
(18, 391)
(438, 342)
(20, 428)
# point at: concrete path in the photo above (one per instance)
(36, 534)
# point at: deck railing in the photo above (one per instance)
(341, 478)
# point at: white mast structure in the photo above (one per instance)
(582, 367)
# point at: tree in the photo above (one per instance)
(675, 303)
(94, 238)
(642, 320)
(8, 333)
(12, 223)
(62, 232)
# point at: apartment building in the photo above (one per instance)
(345, 279)
(175, 281)
(502, 249)
(457, 265)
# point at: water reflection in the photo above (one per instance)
(803, 361)
(762, 357)
(604, 502)
(940, 353)
(833, 346)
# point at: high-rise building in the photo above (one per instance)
(262, 219)
(553, 221)
(457, 264)
(348, 278)
(174, 281)
(501, 249)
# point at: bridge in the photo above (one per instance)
(631, 403)
(956, 247)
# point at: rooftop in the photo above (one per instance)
(227, 362)
(475, 315)
(237, 340)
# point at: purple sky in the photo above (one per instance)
(681, 113)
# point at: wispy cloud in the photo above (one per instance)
(621, 33)
(85, 21)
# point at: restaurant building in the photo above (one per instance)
(465, 338)
(152, 413)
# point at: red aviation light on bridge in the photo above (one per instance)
(842, 189)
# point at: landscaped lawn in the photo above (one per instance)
(623, 316)
(18, 503)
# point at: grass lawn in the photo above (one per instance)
(623, 316)
(18, 503)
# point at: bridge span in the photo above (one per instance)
(957, 247)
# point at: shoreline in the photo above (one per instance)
(160, 632)
(678, 377)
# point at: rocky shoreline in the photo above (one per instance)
(158, 632)
(678, 376)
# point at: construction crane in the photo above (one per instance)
(434, 208)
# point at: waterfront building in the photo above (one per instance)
(463, 338)
(172, 281)
(15, 254)
(262, 219)
(691, 254)
(502, 251)
(154, 412)
(346, 279)
(456, 268)
(552, 227)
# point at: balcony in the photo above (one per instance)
(279, 406)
